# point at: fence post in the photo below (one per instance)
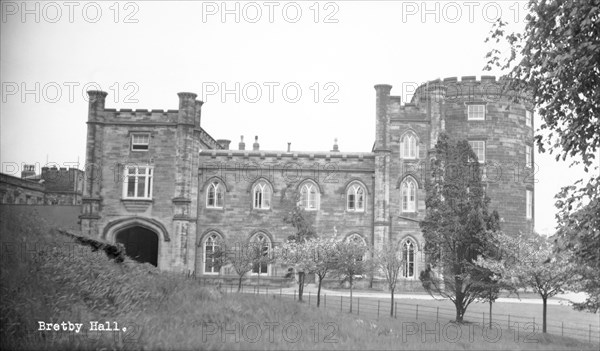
(396, 311)
(378, 303)
(294, 294)
(341, 299)
(417, 311)
(562, 327)
(358, 306)
(324, 300)
(437, 314)
(509, 321)
(309, 298)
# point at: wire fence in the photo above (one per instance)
(382, 308)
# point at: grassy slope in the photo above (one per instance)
(60, 281)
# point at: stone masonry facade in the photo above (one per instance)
(159, 170)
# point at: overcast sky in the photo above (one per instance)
(305, 70)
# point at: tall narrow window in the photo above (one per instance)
(355, 198)
(215, 195)
(479, 149)
(409, 195)
(529, 204)
(476, 112)
(309, 197)
(262, 196)
(528, 162)
(262, 244)
(408, 146)
(529, 118)
(408, 259)
(210, 247)
(140, 141)
(137, 183)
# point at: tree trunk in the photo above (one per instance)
(319, 292)
(490, 314)
(544, 300)
(300, 285)
(392, 307)
(351, 294)
(240, 283)
(459, 312)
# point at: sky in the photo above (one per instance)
(300, 72)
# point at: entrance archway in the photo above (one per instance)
(141, 244)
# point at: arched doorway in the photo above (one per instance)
(141, 244)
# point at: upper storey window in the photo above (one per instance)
(138, 183)
(408, 146)
(408, 191)
(262, 196)
(476, 112)
(529, 118)
(215, 195)
(356, 198)
(140, 141)
(309, 196)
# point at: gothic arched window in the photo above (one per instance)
(408, 146)
(215, 195)
(408, 259)
(309, 193)
(211, 245)
(262, 244)
(355, 198)
(408, 191)
(262, 195)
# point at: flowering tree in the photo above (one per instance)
(241, 256)
(303, 225)
(350, 261)
(324, 259)
(389, 262)
(530, 261)
(297, 254)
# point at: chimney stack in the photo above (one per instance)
(255, 146)
(224, 143)
(242, 145)
(28, 171)
(289, 146)
(335, 146)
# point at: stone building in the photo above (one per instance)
(54, 186)
(159, 183)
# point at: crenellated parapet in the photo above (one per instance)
(468, 88)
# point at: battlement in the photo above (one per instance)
(469, 88)
(310, 155)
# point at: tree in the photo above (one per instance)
(298, 254)
(578, 236)
(324, 259)
(557, 59)
(456, 227)
(491, 285)
(350, 262)
(389, 262)
(241, 256)
(530, 261)
(299, 220)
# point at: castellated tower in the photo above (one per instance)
(140, 171)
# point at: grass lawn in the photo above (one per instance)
(54, 280)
